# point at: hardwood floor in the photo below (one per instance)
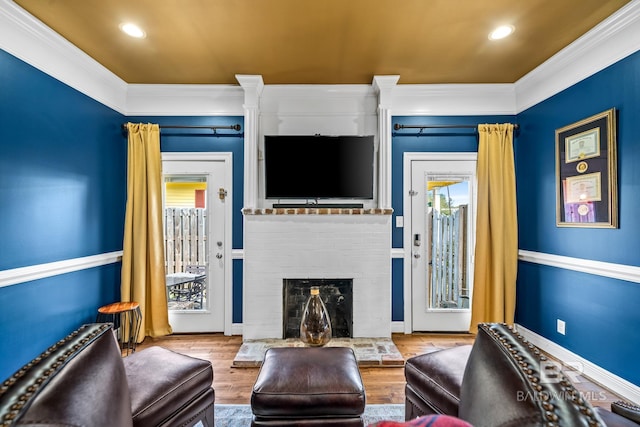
(382, 385)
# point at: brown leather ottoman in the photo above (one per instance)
(308, 386)
(434, 381)
(169, 388)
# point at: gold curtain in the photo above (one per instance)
(496, 252)
(143, 264)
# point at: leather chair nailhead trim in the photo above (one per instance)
(533, 375)
(89, 332)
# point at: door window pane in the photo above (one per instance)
(447, 219)
(186, 242)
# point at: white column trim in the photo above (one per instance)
(384, 85)
(253, 86)
(50, 269)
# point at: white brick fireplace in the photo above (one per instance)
(316, 243)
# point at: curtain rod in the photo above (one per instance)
(399, 126)
(235, 127)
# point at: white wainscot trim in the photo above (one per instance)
(397, 252)
(607, 379)
(41, 271)
(606, 269)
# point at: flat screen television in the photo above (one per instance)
(318, 167)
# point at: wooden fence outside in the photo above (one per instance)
(185, 238)
(448, 253)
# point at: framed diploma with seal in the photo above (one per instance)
(586, 173)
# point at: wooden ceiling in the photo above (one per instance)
(321, 42)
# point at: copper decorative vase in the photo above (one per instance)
(315, 326)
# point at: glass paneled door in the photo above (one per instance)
(442, 230)
(194, 220)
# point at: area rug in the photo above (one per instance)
(240, 415)
(379, 352)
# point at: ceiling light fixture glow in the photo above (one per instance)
(133, 30)
(501, 32)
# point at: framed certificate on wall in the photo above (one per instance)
(586, 173)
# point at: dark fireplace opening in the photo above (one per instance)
(337, 295)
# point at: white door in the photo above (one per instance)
(442, 242)
(196, 200)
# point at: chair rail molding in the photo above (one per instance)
(41, 271)
(600, 268)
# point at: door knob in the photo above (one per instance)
(219, 255)
(416, 255)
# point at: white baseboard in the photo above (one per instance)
(594, 372)
(236, 329)
(397, 327)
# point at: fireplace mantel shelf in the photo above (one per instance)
(316, 211)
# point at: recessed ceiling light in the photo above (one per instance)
(501, 32)
(133, 30)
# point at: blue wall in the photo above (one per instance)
(601, 314)
(63, 190)
(188, 140)
(62, 196)
(412, 141)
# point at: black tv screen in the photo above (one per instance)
(318, 167)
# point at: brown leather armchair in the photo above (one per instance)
(83, 380)
(502, 380)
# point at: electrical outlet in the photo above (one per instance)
(561, 327)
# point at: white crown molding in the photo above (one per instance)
(334, 91)
(613, 39)
(41, 271)
(28, 39)
(454, 100)
(319, 101)
(599, 268)
(618, 385)
(184, 100)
